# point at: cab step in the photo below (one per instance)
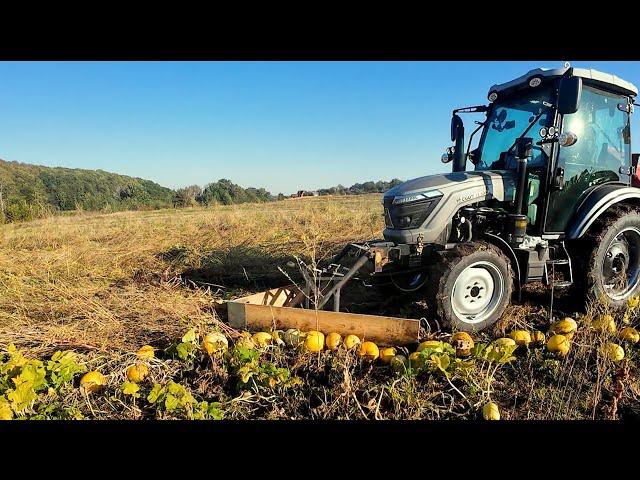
(563, 261)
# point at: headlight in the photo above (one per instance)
(414, 197)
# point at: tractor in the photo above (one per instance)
(545, 189)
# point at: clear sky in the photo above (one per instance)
(280, 125)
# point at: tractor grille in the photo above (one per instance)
(395, 216)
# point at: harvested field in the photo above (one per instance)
(103, 285)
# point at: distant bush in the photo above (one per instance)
(359, 188)
(17, 211)
(226, 193)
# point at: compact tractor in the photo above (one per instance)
(547, 193)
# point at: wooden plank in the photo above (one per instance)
(264, 311)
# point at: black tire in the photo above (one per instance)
(401, 283)
(607, 259)
(408, 282)
(462, 265)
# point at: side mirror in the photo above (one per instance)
(456, 125)
(448, 156)
(569, 95)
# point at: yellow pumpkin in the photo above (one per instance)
(399, 364)
(387, 354)
(92, 381)
(351, 341)
(214, 342)
(137, 373)
(605, 324)
(564, 327)
(416, 361)
(559, 344)
(521, 337)
(146, 351)
(630, 335)
(537, 338)
(490, 411)
(463, 343)
(314, 341)
(333, 341)
(369, 351)
(246, 341)
(262, 339)
(614, 352)
(504, 342)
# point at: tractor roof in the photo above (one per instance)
(591, 77)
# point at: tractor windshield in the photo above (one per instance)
(506, 120)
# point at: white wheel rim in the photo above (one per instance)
(632, 237)
(477, 292)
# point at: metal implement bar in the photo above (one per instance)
(378, 252)
(352, 271)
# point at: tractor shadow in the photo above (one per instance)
(234, 268)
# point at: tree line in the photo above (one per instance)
(31, 191)
(358, 188)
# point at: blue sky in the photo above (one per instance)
(279, 125)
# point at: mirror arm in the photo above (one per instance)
(480, 125)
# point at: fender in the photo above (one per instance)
(508, 251)
(596, 203)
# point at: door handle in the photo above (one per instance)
(558, 181)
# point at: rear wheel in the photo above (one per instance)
(607, 258)
(471, 286)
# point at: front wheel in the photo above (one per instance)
(471, 286)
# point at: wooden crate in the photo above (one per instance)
(276, 309)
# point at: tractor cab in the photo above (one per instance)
(578, 121)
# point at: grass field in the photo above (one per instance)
(103, 285)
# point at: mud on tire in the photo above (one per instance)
(471, 276)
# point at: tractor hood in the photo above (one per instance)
(443, 195)
(430, 183)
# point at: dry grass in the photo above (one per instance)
(111, 281)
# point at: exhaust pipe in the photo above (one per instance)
(518, 220)
(524, 150)
(457, 136)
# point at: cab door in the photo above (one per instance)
(602, 154)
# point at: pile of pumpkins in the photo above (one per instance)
(94, 381)
(562, 333)
(315, 341)
(559, 343)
